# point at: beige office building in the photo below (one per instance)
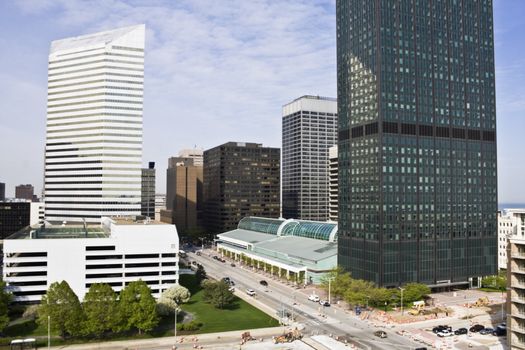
(516, 293)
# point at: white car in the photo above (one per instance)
(314, 298)
(445, 333)
(250, 292)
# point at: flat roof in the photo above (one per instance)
(126, 220)
(60, 232)
(247, 236)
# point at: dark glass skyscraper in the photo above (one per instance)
(417, 140)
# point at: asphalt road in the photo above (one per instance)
(316, 319)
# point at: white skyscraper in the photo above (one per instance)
(94, 126)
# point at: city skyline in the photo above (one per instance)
(203, 83)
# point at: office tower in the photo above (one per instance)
(309, 129)
(147, 207)
(25, 192)
(417, 141)
(2, 191)
(184, 194)
(14, 215)
(240, 179)
(332, 183)
(160, 204)
(94, 126)
(195, 154)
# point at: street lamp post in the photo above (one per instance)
(329, 285)
(48, 332)
(385, 305)
(175, 324)
(202, 243)
(401, 289)
(367, 298)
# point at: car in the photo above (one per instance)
(423, 348)
(215, 257)
(250, 292)
(476, 328)
(232, 265)
(380, 334)
(441, 328)
(198, 253)
(486, 331)
(500, 330)
(231, 289)
(194, 263)
(460, 331)
(226, 280)
(324, 303)
(263, 283)
(232, 283)
(445, 333)
(314, 298)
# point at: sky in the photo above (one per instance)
(215, 71)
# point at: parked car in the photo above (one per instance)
(250, 292)
(445, 333)
(263, 283)
(476, 328)
(314, 298)
(324, 303)
(232, 265)
(215, 257)
(441, 328)
(460, 331)
(500, 331)
(423, 348)
(486, 331)
(380, 334)
(198, 253)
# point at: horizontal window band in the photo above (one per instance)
(91, 169)
(96, 121)
(108, 176)
(127, 115)
(104, 60)
(93, 209)
(94, 162)
(94, 141)
(89, 196)
(105, 189)
(98, 75)
(92, 95)
(49, 216)
(90, 69)
(92, 148)
(416, 129)
(95, 55)
(103, 87)
(94, 107)
(95, 155)
(91, 182)
(93, 101)
(92, 82)
(94, 128)
(127, 48)
(92, 135)
(94, 203)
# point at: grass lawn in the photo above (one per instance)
(491, 290)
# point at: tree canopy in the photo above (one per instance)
(5, 299)
(171, 298)
(137, 307)
(101, 310)
(217, 294)
(61, 304)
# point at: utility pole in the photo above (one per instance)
(401, 289)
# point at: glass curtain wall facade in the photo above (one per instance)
(417, 140)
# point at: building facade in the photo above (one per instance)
(184, 186)
(196, 154)
(417, 141)
(309, 127)
(2, 191)
(25, 192)
(511, 224)
(14, 215)
(94, 126)
(147, 206)
(240, 179)
(333, 199)
(117, 252)
(516, 291)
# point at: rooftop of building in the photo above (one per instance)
(313, 97)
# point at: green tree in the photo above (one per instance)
(5, 299)
(137, 307)
(498, 282)
(357, 291)
(63, 307)
(378, 296)
(171, 298)
(217, 294)
(101, 309)
(200, 274)
(412, 292)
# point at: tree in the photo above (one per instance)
(101, 309)
(413, 292)
(171, 298)
(217, 294)
(340, 281)
(61, 304)
(5, 299)
(378, 296)
(200, 274)
(498, 282)
(137, 307)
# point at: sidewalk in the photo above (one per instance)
(167, 342)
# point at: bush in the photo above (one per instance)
(190, 326)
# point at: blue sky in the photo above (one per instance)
(216, 71)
